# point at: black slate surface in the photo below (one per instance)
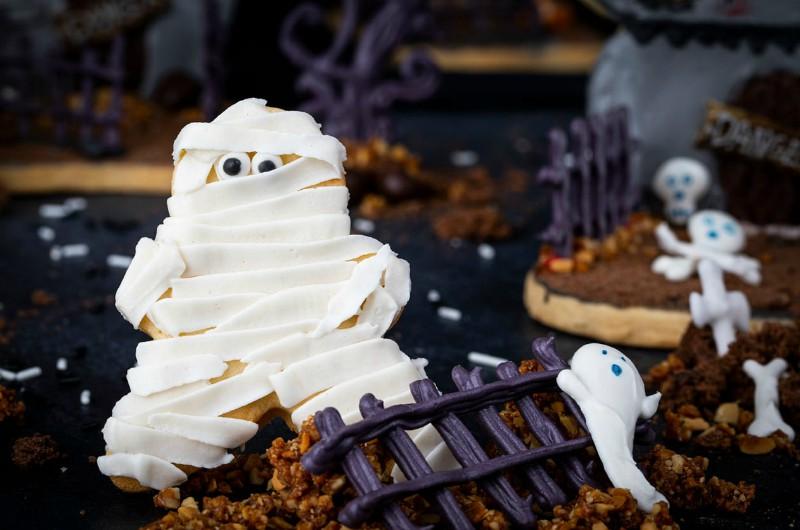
(84, 327)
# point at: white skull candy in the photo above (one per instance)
(716, 231)
(680, 183)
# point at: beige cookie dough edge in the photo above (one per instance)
(86, 177)
(630, 326)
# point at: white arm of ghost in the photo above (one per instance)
(768, 416)
(154, 265)
(609, 434)
(673, 268)
(723, 311)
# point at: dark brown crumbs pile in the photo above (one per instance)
(10, 407)
(683, 481)
(709, 399)
(40, 297)
(35, 451)
(387, 181)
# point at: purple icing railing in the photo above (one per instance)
(339, 446)
(589, 175)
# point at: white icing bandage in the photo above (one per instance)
(724, 311)
(263, 293)
(768, 416)
(610, 393)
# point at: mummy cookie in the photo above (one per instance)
(610, 393)
(717, 237)
(261, 301)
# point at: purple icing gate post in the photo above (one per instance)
(352, 99)
(592, 188)
(339, 446)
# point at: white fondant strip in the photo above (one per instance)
(150, 471)
(329, 200)
(269, 281)
(301, 346)
(228, 346)
(146, 380)
(130, 404)
(186, 315)
(217, 399)
(122, 437)
(348, 300)
(305, 378)
(345, 396)
(380, 309)
(397, 281)
(212, 258)
(295, 176)
(316, 228)
(222, 432)
(154, 265)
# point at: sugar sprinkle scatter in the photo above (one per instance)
(7, 375)
(484, 359)
(449, 313)
(464, 158)
(61, 364)
(46, 233)
(486, 251)
(59, 211)
(28, 373)
(86, 397)
(118, 261)
(76, 250)
(365, 226)
(434, 296)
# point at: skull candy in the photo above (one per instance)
(716, 231)
(680, 182)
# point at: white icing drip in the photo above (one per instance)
(765, 397)
(610, 393)
(186, 315)
(222, 432)
(150, 471)
(123, 437)
(146, 380)
(305, 378)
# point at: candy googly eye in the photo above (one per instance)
(233, 165)
(263, 162)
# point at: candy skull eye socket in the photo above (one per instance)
(729, 228)
(671, 181)
(708, 220)
(263, 162)
(687, 179)
(233, 165)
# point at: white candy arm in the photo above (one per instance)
(669, 242)
(569, 383)
(673, 268)
(650, 406)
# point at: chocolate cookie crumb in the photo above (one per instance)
(35, 451)
(10, 407)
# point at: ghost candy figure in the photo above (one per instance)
(680, 182)
(717, 237)
(610, 393)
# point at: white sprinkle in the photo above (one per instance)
(46, 233)
(63, 469)
(434, 296)
(119, 261)
(53, 211)
(74, 204)
(365, 226)
(86, 397)
(449, 313)
(486, 251)
(485, 359)
(29, 373)
(55, 253)
(464, 158)
(456, 242)
(8, 375)
(77, 250)
(61, 364)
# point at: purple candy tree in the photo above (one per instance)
(590, 180)
(349, 93)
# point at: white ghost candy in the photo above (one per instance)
(768, 417)
(724, 311)
(716, 236)
(680, 182)
(610, 393)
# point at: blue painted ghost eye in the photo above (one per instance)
(671, 181)
(616, 369)
(708, 220)
(729, 227)
(687, 179)
(712, 234)
(604, 352)
(678, 195)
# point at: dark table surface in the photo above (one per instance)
(84, 327)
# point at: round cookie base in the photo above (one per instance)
(637, 326)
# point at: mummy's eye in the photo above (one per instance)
(263, 162)
(233, 165)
